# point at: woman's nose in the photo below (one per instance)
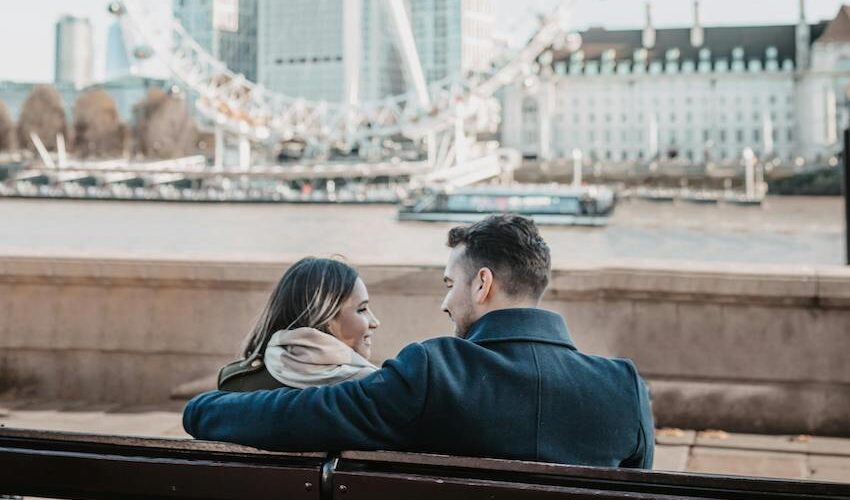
(374, 323)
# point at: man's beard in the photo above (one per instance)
(462, 326)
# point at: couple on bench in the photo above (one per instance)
(510, 384)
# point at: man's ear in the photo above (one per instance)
(483, 285)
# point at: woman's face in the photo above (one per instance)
(355, 323)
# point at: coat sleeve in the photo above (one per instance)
(644, 453)
(376, 412)
(647, 427)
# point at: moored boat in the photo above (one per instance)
(582, 206)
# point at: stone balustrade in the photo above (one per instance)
(749, 349)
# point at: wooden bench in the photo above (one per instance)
(86, 466)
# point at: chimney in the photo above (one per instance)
(697, 33)
(648, 30)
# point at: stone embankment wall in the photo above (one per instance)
(742, 349)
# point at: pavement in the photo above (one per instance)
(712, 451)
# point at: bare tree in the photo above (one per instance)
(98, 130)
(44, 114)
(7, 129)
(164, 128)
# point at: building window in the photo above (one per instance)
(756, 135)
(739, 136)
(722, 136)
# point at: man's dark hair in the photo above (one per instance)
(511, 247)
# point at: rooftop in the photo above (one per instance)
(720, 42)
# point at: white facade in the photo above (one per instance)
(707, 108)
(74, 51)
(636, 116)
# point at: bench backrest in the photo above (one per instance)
(69, 465)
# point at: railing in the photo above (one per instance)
(67, 465)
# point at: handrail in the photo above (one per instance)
(73, 465)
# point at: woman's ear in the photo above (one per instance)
(484, 282)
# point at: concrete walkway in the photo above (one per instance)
(714, 452)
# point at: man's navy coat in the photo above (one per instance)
(516, 388)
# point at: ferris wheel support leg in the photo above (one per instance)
(244, 153)
(352, 52)
(406, 44)
(443, 159)
(460, 137)
(544, 108)
(218, 160)
(432, 148)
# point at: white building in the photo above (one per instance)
(227, 29)
(74, 62)
(697, 94)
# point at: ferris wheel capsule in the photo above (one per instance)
(117, 8)
(142, 52)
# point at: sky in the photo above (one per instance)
(27, 28)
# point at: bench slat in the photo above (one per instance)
(71, 465)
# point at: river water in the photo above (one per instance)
(788, 230)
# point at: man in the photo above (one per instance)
(511, 384)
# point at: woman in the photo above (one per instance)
(315, 330)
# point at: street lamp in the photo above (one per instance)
(846, 162)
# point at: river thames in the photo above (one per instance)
(787, 230)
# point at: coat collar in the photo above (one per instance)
(524, 325)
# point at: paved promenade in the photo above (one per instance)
(713, 452)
